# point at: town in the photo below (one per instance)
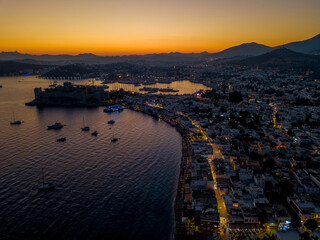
(251, 160)
(250, 166)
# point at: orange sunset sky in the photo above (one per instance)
(118, 27)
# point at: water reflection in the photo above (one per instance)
(103, 191)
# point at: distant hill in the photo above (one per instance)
(316, 52)
(12, 67)
(71, 70)
(173, 58)
(282, 58)
(307, 46)
(243, 50)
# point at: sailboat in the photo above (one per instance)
(45, 186)
(14, 122)
(95, 133)
(113, 139)
(85, 128)
(55, 126)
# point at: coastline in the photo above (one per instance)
(178, 228)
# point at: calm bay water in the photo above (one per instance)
(104, 190)
(184, 87)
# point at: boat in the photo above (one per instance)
(56, 126)
(14, 122)
(45, 186)
(114, 139)
(111, 122)
(85, 128)
(54, 84)
(113, 108)
(95, 133)
(63, 139)
(0, 86)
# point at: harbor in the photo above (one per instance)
(90, 174)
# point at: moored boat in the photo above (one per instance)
(95, 133)
(15, 122)
(45, 186)
(114, 139)
(86, 128)
(57, 125)
(113, 108)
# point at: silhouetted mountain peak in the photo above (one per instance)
(306, 46)
(244, 49)
(87, 54)
(282, 51)
(317, 36)
(282, 58)
(251, 44)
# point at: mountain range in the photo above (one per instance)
(309, 46)
(283, 59)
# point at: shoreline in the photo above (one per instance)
(178, 228)
(178, 233)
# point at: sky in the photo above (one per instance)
(119, 27)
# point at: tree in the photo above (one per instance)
(290, 133)
(305, 236)
(263, 217)
(233, 124)
(311, 224)
(268, 163)
(268, 186)
(286, 187)
(235, 97)
(277, 117)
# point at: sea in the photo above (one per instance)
(104, 190)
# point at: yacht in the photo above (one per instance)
(114, 139)
(95, 133)
(113, 108)
(45, 186)
(57, 125)
(14, 122)
(85, 128)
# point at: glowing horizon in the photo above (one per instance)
(125, 27)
